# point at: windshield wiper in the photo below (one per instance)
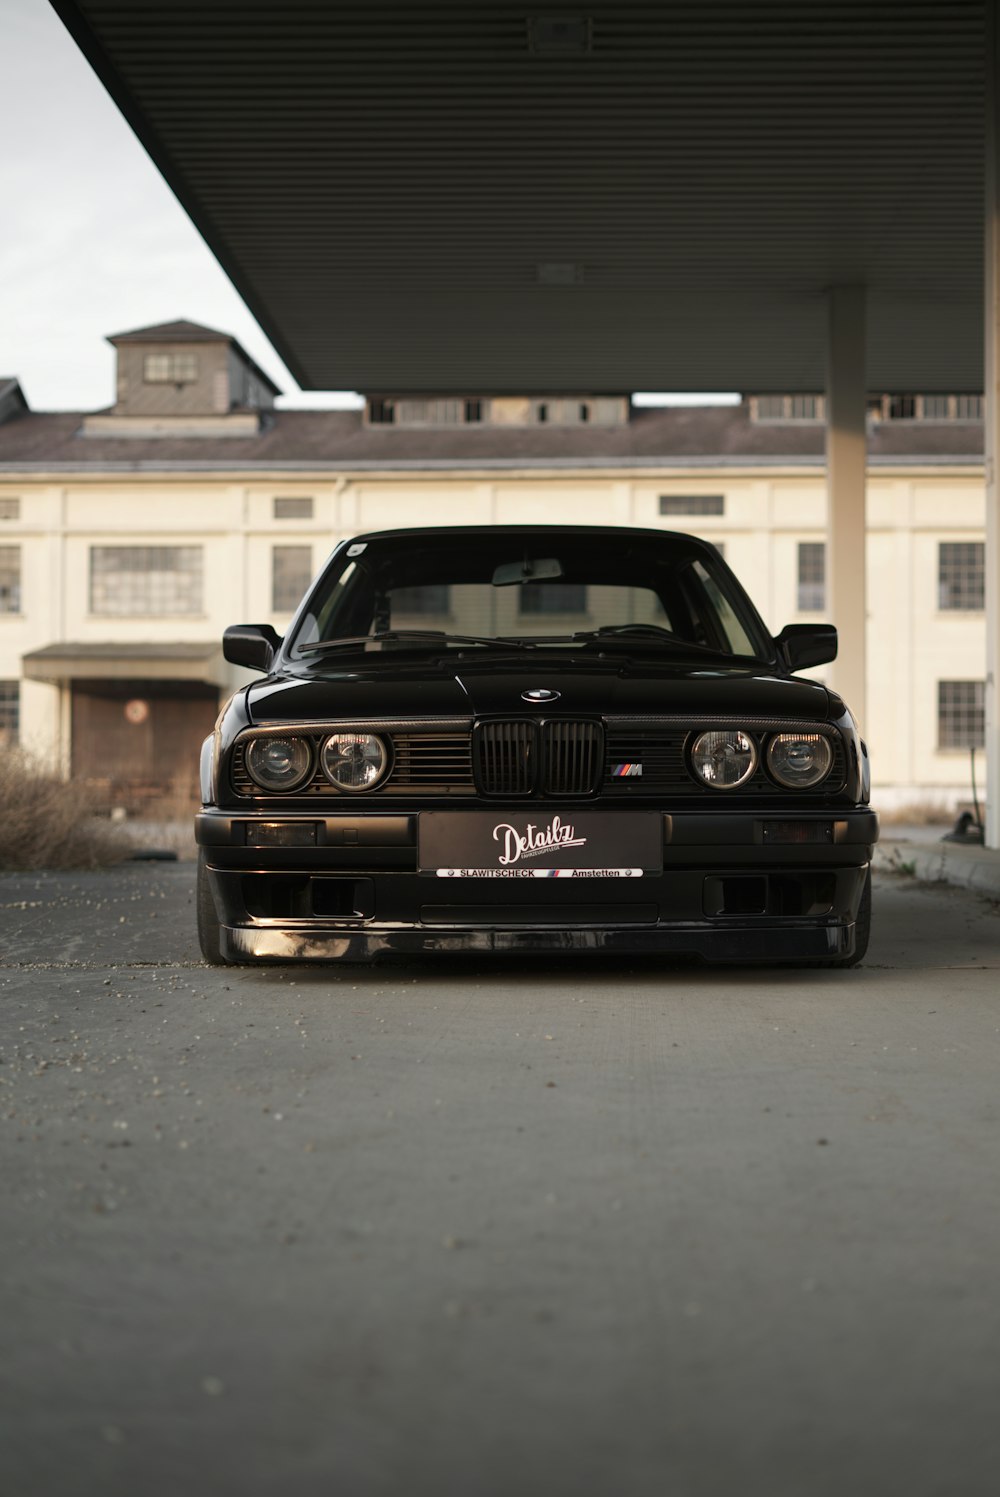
(649, 634)
(413, 636)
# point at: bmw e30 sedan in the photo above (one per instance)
(527, 739)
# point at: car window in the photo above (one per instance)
(736, 638)
(561, 586)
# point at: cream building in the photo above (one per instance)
(130, 538)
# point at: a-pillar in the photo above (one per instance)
(991, 414)
(846, 401)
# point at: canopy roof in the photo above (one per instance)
(650, 195)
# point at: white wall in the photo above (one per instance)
(912, 643)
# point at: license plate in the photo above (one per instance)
(540, 844)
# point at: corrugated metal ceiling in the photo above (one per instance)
(437, 197)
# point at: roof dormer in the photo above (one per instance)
(180, 378)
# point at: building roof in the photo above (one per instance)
(183, 331)
(690, 436)
(180, 331)
(13, 400)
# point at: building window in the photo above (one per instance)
(293, 509)
(170, 368)
(968, 407)
(10, 713)
(770, 407)
(10, 579)
(426, 598)
(473, 410)
(692, 504)
(901, 408)
(789, 408)
(961, 714)
(10, 509)
(543, 412)
(553, 597)
(156, 580)
(584, 411)
(961, 575)
(291, 573)
(812, 577)
(381, 412)
(936, 408)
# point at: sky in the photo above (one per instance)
(92, 241)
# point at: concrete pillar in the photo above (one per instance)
(846, 394)
(991, 416)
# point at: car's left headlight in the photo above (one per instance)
(724, 757)
(799, 760)
(354, 761)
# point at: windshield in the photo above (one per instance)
(544, 587)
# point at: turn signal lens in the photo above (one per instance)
(279, 763)
(799, 760)
(724, 757)
(354, 761)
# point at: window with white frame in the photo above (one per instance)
(962, 576)
(10, 713)
(811, 596)
(170, 368)
(10, 579)
(961, 714)
(291, 573)
(788, 408)
(692, 504)
(293, 507)
(10, 508)
(160, 581)
(936, 408)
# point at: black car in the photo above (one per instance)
(526, 739)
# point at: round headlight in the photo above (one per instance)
(799, 760)
(279, 763)
(724, 757)
(354, 761)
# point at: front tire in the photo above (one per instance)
(862, 930)
(209, 926)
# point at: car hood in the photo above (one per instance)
(483, 688)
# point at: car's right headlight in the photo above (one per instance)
(277, 764)
(354, 761)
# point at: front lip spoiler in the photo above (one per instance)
(735, 943)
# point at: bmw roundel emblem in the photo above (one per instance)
(539, 694)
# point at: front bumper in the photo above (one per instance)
(732, 889)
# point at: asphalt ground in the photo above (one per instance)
(486, 1227)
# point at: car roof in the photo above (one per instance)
(432, 532)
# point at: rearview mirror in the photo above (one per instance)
(252, 645)
(802, 645)
(531, 569)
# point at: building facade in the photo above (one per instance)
(130, 538)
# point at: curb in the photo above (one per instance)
(976, 868)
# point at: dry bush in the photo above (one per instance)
(49, 822)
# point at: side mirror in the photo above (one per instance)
(802, 645)
(252, 645)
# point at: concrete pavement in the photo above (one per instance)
(457, 1227)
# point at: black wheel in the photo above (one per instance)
(208, 919)
(862, 930)
(863, 924)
